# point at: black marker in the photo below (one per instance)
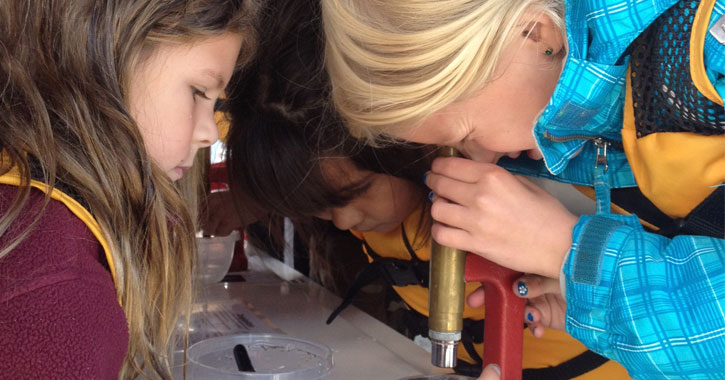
(244, 364)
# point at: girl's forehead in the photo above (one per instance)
(342, 171)
(340, 167)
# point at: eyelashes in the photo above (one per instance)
(197, 92)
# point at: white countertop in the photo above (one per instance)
(275, 298)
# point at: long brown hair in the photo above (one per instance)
(64, 72)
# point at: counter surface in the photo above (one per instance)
(274, 298)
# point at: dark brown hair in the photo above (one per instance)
(283, 128)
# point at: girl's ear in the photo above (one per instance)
(539, 28)
(532, 31)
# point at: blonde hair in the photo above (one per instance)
(394, 63)
(64, 71)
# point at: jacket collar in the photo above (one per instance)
(589, 97)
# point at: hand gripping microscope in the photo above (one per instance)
(503, 327)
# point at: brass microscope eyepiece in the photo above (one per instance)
(446, 294)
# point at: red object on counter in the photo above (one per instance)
(219, 181)
(503, 330)
(218, 177)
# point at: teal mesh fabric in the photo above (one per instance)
(664, 96)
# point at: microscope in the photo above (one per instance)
(503, 327)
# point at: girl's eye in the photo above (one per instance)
(197, 92)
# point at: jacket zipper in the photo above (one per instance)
(600, 142)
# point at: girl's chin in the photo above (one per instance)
(175, 174)
(380, 229)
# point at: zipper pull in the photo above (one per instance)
(601, 178)
(601, 153)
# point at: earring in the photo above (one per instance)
(549, 51)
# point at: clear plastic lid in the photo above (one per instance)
(272, 356)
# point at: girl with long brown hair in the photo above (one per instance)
(103, 106)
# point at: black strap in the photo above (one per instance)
(707, 219)
(408, 247)
(374, 255)
(468, 369)
(396, 272)
(415, 323)
(576, 366)
(400, 272)
(633, 201)
(471, 333)
(371, 273)
(473, 329)
(420, 268)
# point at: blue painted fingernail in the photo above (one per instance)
(530, 317)
(425, 176)
(523, 289)
(430, 196)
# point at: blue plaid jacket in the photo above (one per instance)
(653, 304)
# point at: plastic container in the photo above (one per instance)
(215, 256)
(273, 356)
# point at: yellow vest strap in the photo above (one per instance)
(13, 178)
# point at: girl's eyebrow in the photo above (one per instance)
(215, 75)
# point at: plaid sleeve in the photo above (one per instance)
(653, 304)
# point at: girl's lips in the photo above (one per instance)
(534, 154)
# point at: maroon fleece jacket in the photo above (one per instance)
(59, 317)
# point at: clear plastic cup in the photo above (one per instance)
(273, 356)
(215, 256)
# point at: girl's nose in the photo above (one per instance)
(344, 219)
(206, 132)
